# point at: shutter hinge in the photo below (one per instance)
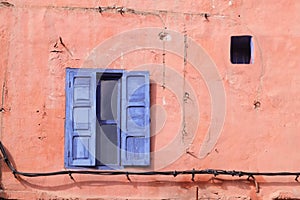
(69, 84)
(68, 154)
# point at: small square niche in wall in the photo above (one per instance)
(241, 49)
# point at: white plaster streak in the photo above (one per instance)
(213, 4)
(122, 60)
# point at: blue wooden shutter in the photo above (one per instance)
(80, 117)
(135, 119)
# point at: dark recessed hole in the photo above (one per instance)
(256, 104)
(241, 49)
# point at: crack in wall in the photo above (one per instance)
(185, 94)
(259, 89)
(163, 36)
(6, 4)
(116, 9)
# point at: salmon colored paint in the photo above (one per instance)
(205, 111)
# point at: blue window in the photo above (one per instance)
(107, 118)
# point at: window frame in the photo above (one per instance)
(70, 90)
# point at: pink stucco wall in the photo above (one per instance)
(186, 132)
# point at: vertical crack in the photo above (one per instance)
(164, 62)
(185, 96)
(63, 44)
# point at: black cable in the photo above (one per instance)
(145, 173)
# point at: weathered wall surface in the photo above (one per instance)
(39, 39)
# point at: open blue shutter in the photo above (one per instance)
(80, 117)
(135, 119)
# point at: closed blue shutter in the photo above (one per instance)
(80, 118)
(135, 119)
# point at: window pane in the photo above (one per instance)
(107, 141)
(108, 99)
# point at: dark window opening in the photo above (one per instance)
(241, 49)
(108, 117)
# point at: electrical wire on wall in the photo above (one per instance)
(215, 172)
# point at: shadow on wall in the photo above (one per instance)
(201, 181)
